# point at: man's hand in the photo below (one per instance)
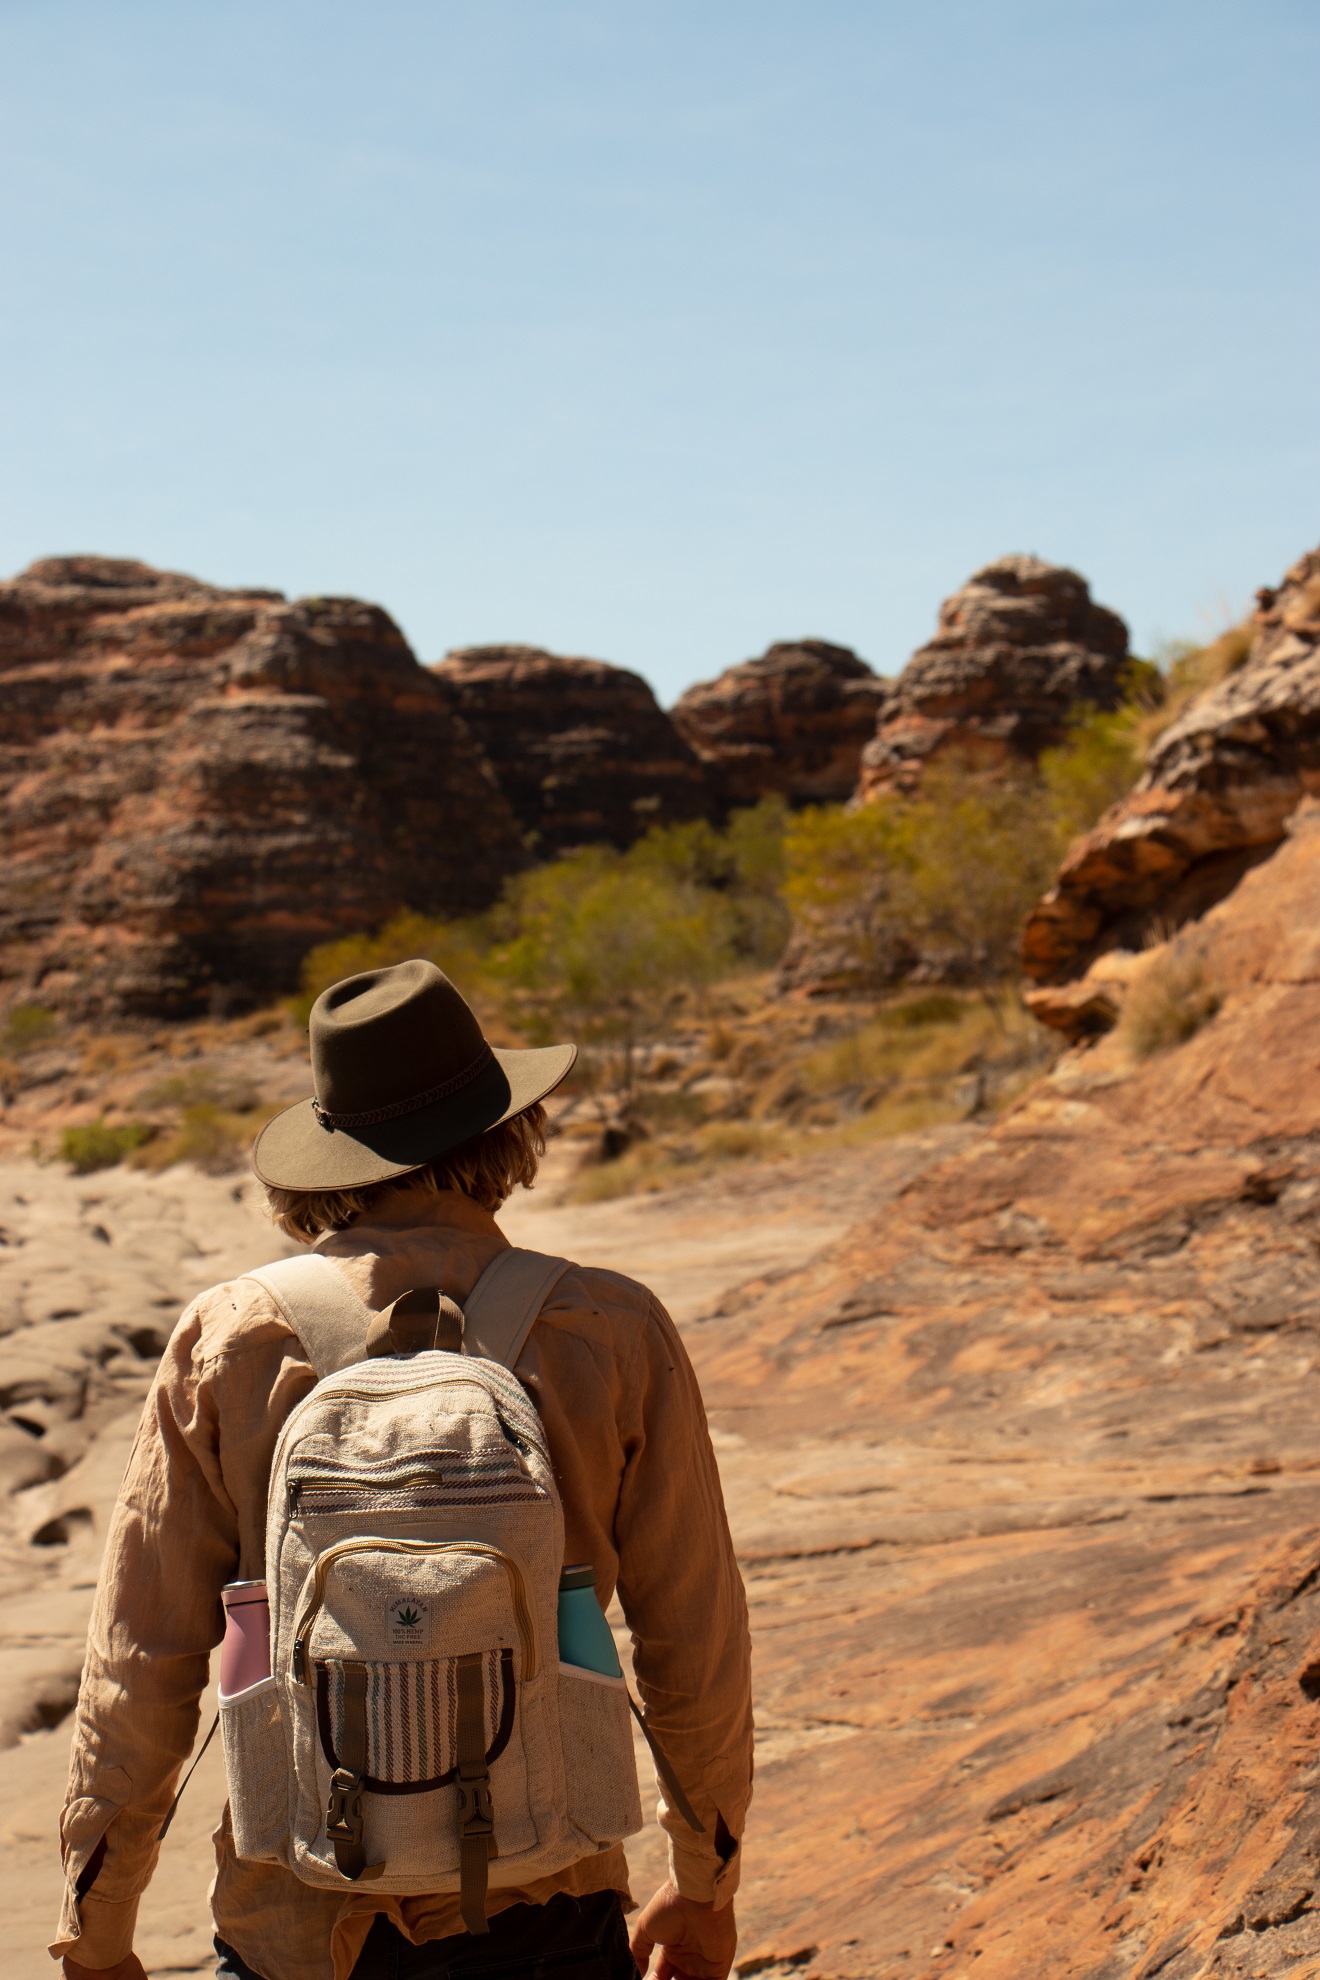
(696, 1942)
(127, 1969)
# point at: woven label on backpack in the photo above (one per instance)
(408, 1619)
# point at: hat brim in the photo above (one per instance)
(294, 1151)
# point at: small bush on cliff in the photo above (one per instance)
(28, 1025)
(97, 1146)
(1174, 995)
(1187, 671)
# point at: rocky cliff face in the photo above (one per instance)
(1018, 648)
(196, 785)
(582, 751)
(791, 724)
(1218, 789)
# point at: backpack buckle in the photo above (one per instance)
(343, 1816)
(476, 1815)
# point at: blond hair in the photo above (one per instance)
(488, 1168)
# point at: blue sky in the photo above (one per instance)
(658, 332)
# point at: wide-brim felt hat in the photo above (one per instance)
(403, 1074)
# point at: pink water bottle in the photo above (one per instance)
(245, 1652)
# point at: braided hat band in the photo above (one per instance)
(412, 1105)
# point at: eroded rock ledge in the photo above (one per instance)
(1219, 787)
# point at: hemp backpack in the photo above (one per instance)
(417, 1728)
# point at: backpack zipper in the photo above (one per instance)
(522, 1614)
(353, 1488)
(455, 1479)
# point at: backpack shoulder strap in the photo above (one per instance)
(325, 1313)
(501, 1309)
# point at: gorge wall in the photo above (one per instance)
(197, 785)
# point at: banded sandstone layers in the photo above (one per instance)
(582, 750)
(1218, 789)
(1019, 648)
(197, 785)
(792, 723)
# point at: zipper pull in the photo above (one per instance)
(295, 1493)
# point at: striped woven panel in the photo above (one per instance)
(412, 1715)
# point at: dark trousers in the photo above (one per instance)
(567, 1939)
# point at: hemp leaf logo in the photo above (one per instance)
(407, 1617)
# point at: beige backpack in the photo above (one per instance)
(418, 1728)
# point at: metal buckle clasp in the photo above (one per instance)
(343, 1816)
(476, 1816)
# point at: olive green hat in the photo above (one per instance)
(403, 1073)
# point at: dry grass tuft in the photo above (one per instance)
(1169, 1002)
(1192, 671)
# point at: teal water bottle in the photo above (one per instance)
(585, 1638)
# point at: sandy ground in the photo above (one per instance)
(93, 1272)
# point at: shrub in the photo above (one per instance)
(744, 865)
(97, 1146)
(27, 1025)
(1169, 1001)
(201, 1086)
(456, 947)
(600, 946)
(975, 851)
(213, 1138)
(837, 884)
(1189, 670)
(936, 1007)
(1095, 766)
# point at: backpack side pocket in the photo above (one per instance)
(600, 1770)
(257, 1766)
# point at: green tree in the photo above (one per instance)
(973, 853)
(601, 946)
(838, 885)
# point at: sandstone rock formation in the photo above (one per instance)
(792, 723)
(1018, 648)
(1218, 788)
(196, 785)
(582, 750)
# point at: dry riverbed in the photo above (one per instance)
(93, 1272)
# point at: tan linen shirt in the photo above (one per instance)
(641, 1494)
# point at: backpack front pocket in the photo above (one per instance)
(412, 1669)
(411, 1719)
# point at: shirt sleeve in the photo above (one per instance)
(172, 1543)
(682, 1595)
